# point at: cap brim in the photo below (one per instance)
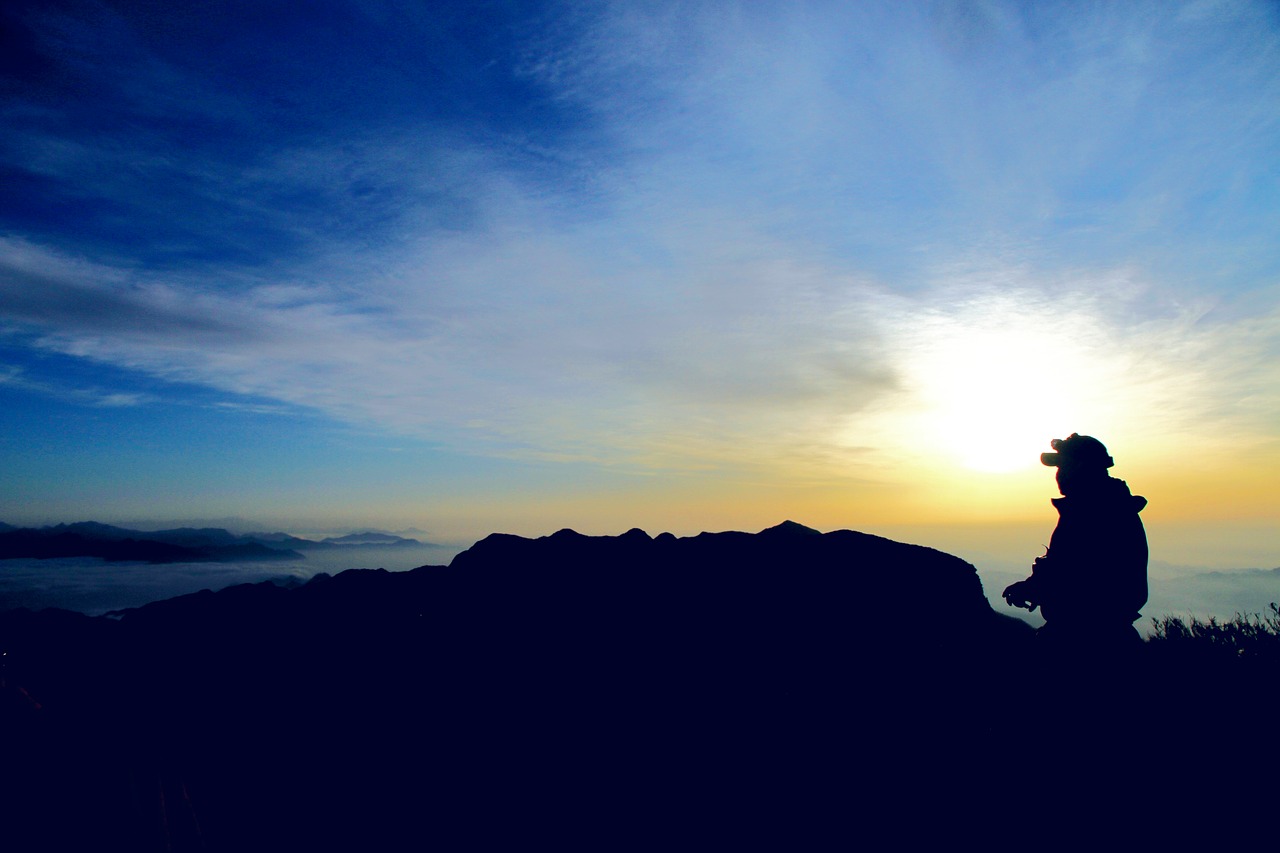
(1050, 459)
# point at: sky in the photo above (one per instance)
(473, 267)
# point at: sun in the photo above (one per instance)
(989, 384)
(994, 398)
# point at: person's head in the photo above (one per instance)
(1081, 461)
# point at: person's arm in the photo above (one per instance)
(1021, 594)
(1027, 594)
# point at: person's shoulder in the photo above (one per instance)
(1118, 492)
(1117, 486)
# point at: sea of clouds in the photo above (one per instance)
(94, 586)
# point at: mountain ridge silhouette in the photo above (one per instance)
(594, 691)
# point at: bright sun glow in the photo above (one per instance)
(994, 390)
(995, 399)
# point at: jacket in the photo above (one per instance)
(1095, 570)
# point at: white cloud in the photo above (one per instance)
(735, 349)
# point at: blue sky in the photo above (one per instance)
(477, 266)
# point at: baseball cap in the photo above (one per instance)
(1075, 450)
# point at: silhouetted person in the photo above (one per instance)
(1092, 581)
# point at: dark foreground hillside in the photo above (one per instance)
(587, 692)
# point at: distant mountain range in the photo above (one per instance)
(180, 545)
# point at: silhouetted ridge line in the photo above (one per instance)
(565, 678)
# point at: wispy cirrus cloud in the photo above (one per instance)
(758, 361)
(12, 376)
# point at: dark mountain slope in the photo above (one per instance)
(573, 690)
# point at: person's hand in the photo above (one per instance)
(1019, 595)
